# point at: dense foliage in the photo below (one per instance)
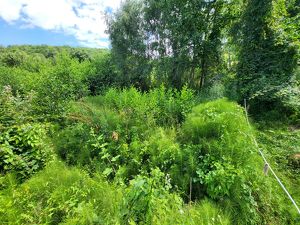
(268, 56)
(162, 151)
(151, 131)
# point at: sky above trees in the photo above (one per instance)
(63, 22)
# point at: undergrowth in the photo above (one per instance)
(156, 157)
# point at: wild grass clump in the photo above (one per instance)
(220, 127)
(226, 166)
(206, 212)
(60, 194)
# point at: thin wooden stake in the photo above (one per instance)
(190, 197)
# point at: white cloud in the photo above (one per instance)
(10, 9)
(84, 19)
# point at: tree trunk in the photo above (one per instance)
(203, 72)
(192, 77)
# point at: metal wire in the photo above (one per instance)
(268, 164)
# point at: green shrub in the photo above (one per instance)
(19, 80)
(24, 148)
(147, 199)
(88, 127)
(71, 142)
(289, 98)
(102, 74)
(13, 58)
(14, 109)
(60, 83)
(216, 91)
(162, 149)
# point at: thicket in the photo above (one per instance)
(208, 154)
(55, 75)
(165, 153)
(144, 133)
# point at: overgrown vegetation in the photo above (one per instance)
(151, 131)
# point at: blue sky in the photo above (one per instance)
(55, 22)
(12, 34)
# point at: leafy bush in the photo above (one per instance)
(215, 91)
(13, 58)
(18, 79)
(79, 143)
(102, 74)
(55, 82)
(71, 142)
(23, 147)
(146, 197)
(24, 150)
(289, 97)
(161, 149)
(14, 109)
(148, 200)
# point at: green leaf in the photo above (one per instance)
(107, 171)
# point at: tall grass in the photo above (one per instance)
(60, 194)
